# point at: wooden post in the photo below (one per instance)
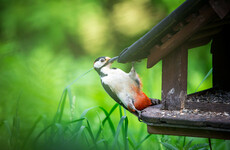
(174, 79)
(221, 64)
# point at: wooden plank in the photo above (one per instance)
(220, 49)
(212, 99)
(189, 118)
(174, 79)
(165, 38)
(197, 43)
(189, 132)
(181, 36)
(205, 34)
(217, 24)
(178, 26)
(187, 123)
(214, 107)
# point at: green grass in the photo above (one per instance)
(207, 75)
(82, 133)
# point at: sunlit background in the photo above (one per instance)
(46, 45)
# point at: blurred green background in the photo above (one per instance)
(45, 45)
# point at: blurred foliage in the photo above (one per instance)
(45, 45)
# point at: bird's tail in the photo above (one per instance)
(155, 101)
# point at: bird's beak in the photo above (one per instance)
(113, 59)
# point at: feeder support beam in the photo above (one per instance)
(159, 52)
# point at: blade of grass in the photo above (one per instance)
(62, 106)
(186, 147)
(227, 144)
(86, 111)
(49, 126)
(79, 77)
(16, 128)
(98, 142)
(131, 143)
(59, 129)
(83, 116)
(159, 141)
(41, 133)
(89, 129)
(118, 131)
(177, 142)
(142, 141)
(120, 111)
(74, 121)
(169, 146)
(198, 146)
(31, 131)
(107, 118)
(85, 137)
(210, 143)
(80, 133)
(122, 126)
(70, 96)
(184, 141)
(58, 115)
(15, 133)
(207, 75)
(7, 126)
(71, 103)
(110, 112)
(75, 137)
(125, 137)
(100, 127)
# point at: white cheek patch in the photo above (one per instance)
(97, 64)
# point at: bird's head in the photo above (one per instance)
(103, 62)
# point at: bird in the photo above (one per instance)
(124, 88)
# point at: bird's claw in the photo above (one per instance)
(133, 69)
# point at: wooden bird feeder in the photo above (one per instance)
(193, 24)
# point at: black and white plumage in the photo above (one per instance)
(124, 88)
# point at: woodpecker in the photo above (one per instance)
(124, 88)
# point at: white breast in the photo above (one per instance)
(120, 83)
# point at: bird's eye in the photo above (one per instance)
(102, 60)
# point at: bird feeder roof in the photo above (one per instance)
(165, 29)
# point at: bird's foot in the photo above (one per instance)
(133, 64)
(133, 69)
(155, 101)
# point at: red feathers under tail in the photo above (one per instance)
(142, 101)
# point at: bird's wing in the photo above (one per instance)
(112, 94)
(134, 76)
